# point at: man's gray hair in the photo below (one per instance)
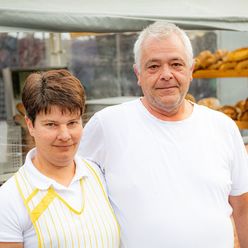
(161, 29)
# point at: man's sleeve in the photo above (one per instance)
(92, 145)
(239, 165)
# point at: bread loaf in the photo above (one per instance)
(210, 102)
(227, 66)
(190, 97)
(242, 65)
(238, 54)
(243, 116)
(20, 108)
(215, 66)
(231, 111)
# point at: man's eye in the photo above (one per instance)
(152, 67)
(177, 65)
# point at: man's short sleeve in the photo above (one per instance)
(92, 145)
(239, 166)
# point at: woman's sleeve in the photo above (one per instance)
(11, 213)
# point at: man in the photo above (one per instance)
(175, 171)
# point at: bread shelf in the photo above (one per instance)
(224, 74)
(220, 74)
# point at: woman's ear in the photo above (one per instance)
(29, 125)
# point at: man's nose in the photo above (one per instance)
(64, 133)
(166, 73)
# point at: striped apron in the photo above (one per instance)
(57, 224)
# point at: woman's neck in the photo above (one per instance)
(61, 174)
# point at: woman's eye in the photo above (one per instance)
(50, 124)
(73, 123)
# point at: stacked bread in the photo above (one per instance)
(238, 112)
(27, 139)
(222, 60)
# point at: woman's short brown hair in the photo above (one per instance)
(42, 90)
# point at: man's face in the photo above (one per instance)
(56, 136)
(165, 73)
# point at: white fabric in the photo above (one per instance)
(169, 182)
(15, 223)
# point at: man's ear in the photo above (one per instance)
(29, 125)
(136, 71)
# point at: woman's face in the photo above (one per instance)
(57, 136)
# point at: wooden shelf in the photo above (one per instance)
(224, 74)
(220, 74)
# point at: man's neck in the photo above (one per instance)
(182, 112)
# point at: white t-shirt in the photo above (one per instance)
(15, 223)
(169, 182)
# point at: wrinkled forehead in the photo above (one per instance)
(164, 41)
(153, 46)
(168, 45)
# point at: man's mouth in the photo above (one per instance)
(167, 87)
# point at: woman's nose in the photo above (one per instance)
(64, 133)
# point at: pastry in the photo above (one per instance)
(227, 66)
(243, 116)
(238, 54)
(210, 102)
(231, 111)
(242, 65)
(190, 97)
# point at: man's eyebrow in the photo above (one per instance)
(152, 61)
(177, 58)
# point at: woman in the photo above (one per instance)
(56, 199)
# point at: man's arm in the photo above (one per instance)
(11, 245)
(92, 145)
(240, 215)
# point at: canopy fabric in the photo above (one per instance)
(121, 15)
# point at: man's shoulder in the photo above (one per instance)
(214, 116)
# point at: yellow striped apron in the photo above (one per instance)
(57, 224)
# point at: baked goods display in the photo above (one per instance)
(27, 139)
(231, 111)
(222, 63)
(207, 60)
(243, 116)
(222, 60)
(211, 102)
(238, 112)
(190, 97)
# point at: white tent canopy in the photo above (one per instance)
(121, 15)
